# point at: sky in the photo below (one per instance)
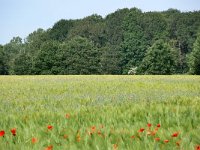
(22, 17)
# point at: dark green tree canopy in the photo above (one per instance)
(60, 29)
(3, 67)
(111, 60)
(117, 44)
(80, 56)
(158, 60)
(194, 58)
(46, 59)
(23, 64)
(91, 27)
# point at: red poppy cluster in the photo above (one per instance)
(13, 131)
(149, 132)
(96, 130)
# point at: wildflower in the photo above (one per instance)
(50, 127)
(158, 125)
(175, 134)
(149, 125)
(157, 139)
(2, 133)
(166, 141)
(132, 136)
(34, 140)
(67, 116)
(49, 147)
(13, 131)
(141, 130)
(197, 147)
(93, 128)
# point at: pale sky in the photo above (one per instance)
(21, 17)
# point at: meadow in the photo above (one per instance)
(100, 112)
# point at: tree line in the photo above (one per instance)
(127, 41)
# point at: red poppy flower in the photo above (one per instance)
(2, 133)
(197, 147)
(157, 139)
(50, 127)
(93, 128)
(132, 136)
(141, 130)
(149, 125)
(158, 125)
(49, 147)
(166, 141)
(175, 134)
(34, 140)
(13, 131)
(67, 116)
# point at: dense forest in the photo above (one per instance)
(127, 41)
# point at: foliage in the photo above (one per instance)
(194, 60)
(34, 40)
(114, 26)
(110, 60)
(119, 42)
(158, 59)
(46, 60)
(60, 29)
(3, 67)
(23, 64)
(79, 56)
(11, 50)
(91, 27)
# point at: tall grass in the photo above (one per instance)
(103, 112)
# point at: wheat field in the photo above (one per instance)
(99, 112)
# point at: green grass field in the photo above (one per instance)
(99, 112)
